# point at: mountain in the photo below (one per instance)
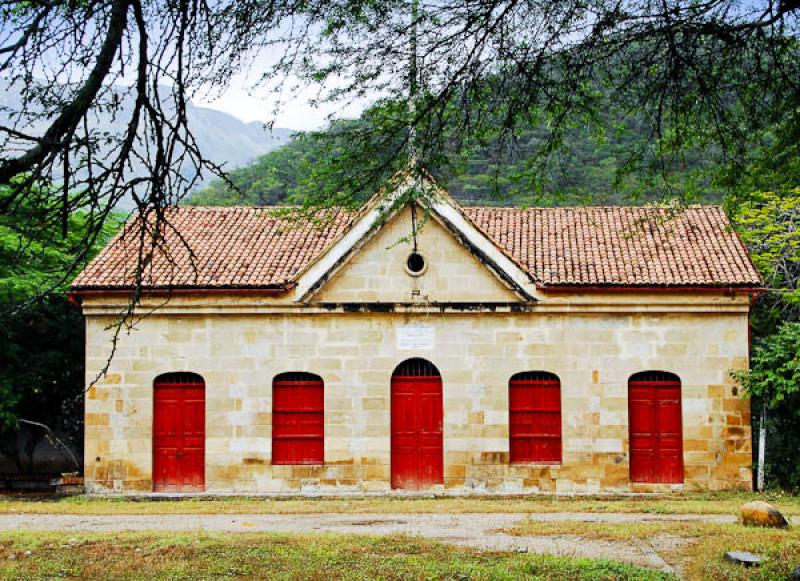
(591, 169)
(225, 139)
(222, 138)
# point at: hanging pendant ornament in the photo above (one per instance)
(414, 225)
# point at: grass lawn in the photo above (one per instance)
(700, 547)
(708, 503)
(200, 556)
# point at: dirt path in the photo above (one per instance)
(482, 531)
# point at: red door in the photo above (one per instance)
(656, 432)
(534, 405)
(298, 420)
(416, 426)
(179, 433)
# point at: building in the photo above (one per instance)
(424, 346)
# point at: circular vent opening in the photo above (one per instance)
(415, 265)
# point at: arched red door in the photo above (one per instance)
(298, 419)
(179, 433)
(416, 429)
(656, 429)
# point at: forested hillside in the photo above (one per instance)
(592, 167)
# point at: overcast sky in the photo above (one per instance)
(248, 104)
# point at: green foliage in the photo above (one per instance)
(341, 166)
(38, 256)
(775, 367)
(41, 378)
(774, 161)
(769, 223)
(593, 165)
(41, 333)
(765, 203)
(268, 181)
(774, 377)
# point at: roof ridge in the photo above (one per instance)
(526, 208)
(605, 207)
(237, 207)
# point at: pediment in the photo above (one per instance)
(369, 262)
(378, 271)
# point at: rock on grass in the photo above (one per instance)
(762, 514)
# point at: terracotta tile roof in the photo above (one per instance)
(621, 246)
(605, 246)
(233, 247)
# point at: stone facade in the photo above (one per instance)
(348, 331)
(377, 271)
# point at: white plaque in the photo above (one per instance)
(415, 338)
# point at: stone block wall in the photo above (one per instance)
(593, 353)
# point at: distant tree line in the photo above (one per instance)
(593, 167)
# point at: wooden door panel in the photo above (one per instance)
(164, 469)
(298, 451)
(179, 437)
(534, 416)
(416, 432)
(298, 395)
(642, 427)
(298, 419)
(656, 431)
(642, 466)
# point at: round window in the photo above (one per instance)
(415, 264)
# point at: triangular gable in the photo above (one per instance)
(382, 233)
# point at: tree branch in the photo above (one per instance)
(72, 113)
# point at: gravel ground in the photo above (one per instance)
(482, 531)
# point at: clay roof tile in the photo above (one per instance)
(222, 247)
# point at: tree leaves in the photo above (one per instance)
(775, 367)
(769, 223)
(41, 334)
(35, 256)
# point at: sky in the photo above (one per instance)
(248, 104)
(296, 114)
